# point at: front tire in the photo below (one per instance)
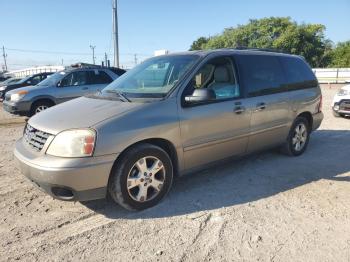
(298, 137)
(141, 177)
(39, 107)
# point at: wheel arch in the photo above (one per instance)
(308, 116)
(164, 144)
(41, 99)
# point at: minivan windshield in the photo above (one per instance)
(53, 79)
(154, 78)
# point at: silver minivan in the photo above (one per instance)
(169, 116)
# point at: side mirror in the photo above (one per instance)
(29, 82)
(59, 84)
(200, 96)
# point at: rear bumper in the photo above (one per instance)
(317, 120)
(68, 179)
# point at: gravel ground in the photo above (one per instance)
(266, 207)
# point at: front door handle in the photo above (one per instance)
(239, 109)
(85, 88)
(260, 106)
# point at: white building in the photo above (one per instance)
(161, 52)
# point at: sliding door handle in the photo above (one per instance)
(260, 106)
(239, 109)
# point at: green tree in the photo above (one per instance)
(341, 55)
(199, 43)
(279, 33)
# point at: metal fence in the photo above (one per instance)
(34, 70)
(332, 75)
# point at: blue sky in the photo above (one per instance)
(70, 26)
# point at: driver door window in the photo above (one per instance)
(218, 75)
(75, 79)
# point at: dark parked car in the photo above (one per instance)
(3, 78)
(9, 81)
(27, 81)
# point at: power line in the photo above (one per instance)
(45, 52)
(69, 53)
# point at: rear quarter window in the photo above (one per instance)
(298, 73)
(97, 77)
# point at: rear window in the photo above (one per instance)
(298, 73)
(261, 74)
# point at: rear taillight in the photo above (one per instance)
(320, 104)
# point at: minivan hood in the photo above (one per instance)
(82, 112)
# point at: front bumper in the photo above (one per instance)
(70, 179)
(342, 107)
(17, 108)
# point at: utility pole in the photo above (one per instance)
(115, 34)
(106, 58)
(4, 55)
(93, 53)
(135, 59)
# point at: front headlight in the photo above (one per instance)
(73, 143)
(18, 96)
(2, 88)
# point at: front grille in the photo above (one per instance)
(35, 138)
(344, 105)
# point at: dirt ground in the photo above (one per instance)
(266, 207)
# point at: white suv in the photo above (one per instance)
(341, 102)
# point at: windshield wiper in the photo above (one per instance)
(124, 96)
(120, 94)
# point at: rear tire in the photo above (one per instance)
(141, 177)
(298, 137)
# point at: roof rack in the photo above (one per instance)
(116, 70)
(84, 65)
(257, 49)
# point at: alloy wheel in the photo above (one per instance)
(300, 137)
(145, 179)
(41, 108)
